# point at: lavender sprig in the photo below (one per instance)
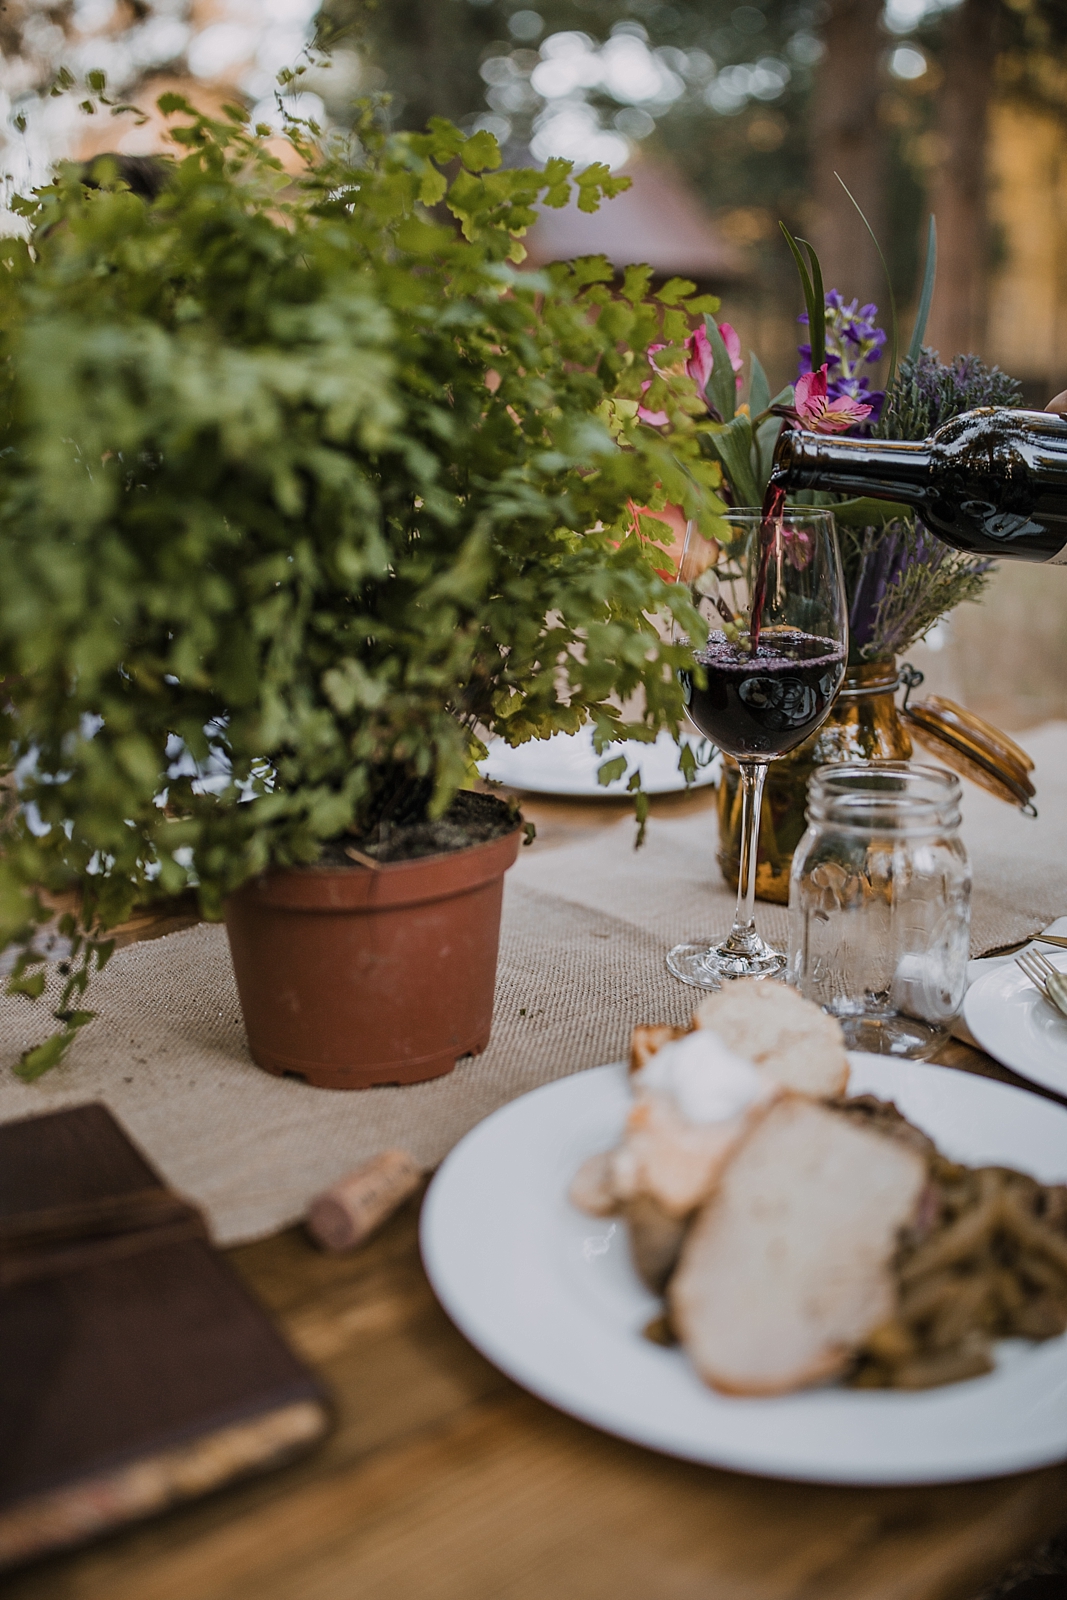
(900, 580)
(927, 393)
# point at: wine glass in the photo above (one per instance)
(772, 595)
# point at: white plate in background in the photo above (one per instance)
(567, 764)
(1017, 1025)
(549, 1295)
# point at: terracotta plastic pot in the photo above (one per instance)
(351, 976)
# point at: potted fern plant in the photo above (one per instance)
(306, 489)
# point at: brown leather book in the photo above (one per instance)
(136, 1371)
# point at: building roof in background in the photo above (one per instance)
(658, 220)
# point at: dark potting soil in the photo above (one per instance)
(472, 818)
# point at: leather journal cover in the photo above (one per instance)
(136, 1371)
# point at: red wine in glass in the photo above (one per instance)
(770, 594)
(765, 701)
(762, 699)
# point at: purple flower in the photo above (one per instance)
(852, 340)
(860, 391)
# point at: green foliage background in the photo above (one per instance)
(274, 550)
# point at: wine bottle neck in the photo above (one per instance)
(894, 469)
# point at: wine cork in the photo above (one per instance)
(346, 1214)
(1058, 404)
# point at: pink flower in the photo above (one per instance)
(699, 365)
(732, 341)
(700, 360)
(796, 547)
(820, 414)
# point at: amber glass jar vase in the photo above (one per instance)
(864, 725)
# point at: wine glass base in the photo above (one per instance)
(705, 966)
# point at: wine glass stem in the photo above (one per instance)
(743, 933)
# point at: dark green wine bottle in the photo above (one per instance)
(991, 482)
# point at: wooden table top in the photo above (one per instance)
(442, 1480)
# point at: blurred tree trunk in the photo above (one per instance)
(847, 139)
(958, 194)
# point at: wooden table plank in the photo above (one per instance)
(444, 1481)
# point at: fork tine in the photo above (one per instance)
(1044, 963)
(1040, 963)
(1057, 992)
(1032, 971)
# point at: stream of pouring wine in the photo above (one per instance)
(770, 521)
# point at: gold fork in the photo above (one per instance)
(1045, 977)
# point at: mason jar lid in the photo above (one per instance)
(973, 748)
(885, 797)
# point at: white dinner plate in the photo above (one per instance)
(567, 764)
(549, 1295)
(1017, 1025)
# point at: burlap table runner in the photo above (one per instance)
(584, 934)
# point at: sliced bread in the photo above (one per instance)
(777, 1029)
(648, 1037)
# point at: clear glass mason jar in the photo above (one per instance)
(880, 904)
